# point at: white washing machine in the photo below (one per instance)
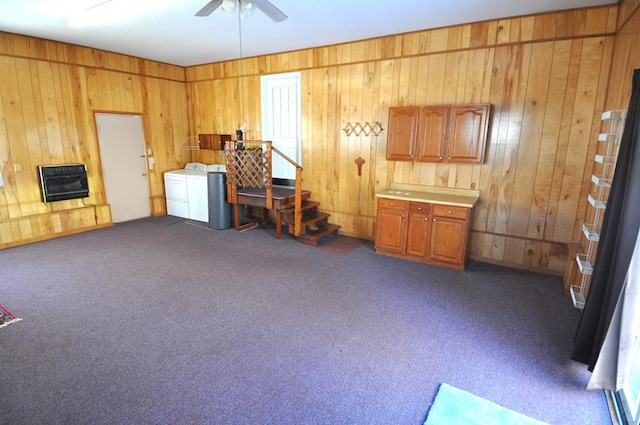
(186, 191)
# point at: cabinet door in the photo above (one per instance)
(419, 229)
(391, 230)
(213, 141)
(448, 239)
(403, 133)
(468, 125)
(432, 136)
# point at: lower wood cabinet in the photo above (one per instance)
(419, 231)
(391, 233)
(449, 228)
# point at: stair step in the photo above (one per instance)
(311, 238)
(306, 221)
(316, 221)
(306, 205)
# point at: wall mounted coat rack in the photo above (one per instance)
(367, 129)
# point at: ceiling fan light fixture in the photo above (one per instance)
(230, 7)
(244, 7)
(247, 8)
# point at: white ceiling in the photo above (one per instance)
(167, 31)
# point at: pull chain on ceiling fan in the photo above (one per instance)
(246, 8)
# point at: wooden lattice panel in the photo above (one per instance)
(247, 164)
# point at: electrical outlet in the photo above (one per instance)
(17, 168)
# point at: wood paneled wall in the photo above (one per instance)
(545, 75)
(626, 58)
(49, 92)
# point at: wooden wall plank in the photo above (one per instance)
(531, 181)
(513, 211)
(579, 138)
(543, 214)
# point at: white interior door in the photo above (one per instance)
(281, 120)
(124, 165)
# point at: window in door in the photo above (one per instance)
(281, 117)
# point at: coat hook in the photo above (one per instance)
(359, 161)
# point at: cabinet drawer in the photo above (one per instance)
(394, 204)
(419, 207)
(449, 211)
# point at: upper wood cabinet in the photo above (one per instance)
(432, 137)
(403, 133)
(451, 133)
(466, 140)
(213, 141)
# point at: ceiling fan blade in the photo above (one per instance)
(209, 8)
(270, 10)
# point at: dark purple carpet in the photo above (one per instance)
(148, 323)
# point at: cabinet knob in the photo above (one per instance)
(402, 216)
(440, 158)
(426, 219)
(449, 158)
(449, 211)
(411, 156)
(419, 208)
(434, 219)
(392, 204)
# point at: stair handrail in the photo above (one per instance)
(297, 211)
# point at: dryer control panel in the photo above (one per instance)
(195, 166)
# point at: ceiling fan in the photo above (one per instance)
(232, 6)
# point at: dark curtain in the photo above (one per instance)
(618, 235)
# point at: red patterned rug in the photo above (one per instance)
(6, 317)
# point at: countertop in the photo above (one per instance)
(431, 194)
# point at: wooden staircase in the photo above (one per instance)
(315, 224)
(250, 182)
